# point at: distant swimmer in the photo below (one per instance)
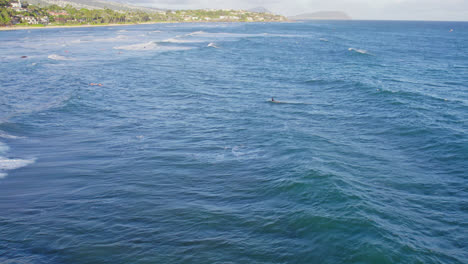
(274, 101)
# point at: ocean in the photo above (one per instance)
(160, 144)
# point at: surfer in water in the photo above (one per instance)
(273, 99)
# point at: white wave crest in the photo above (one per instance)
(151, 46)
(324, 39)
(179, 40)
(212, 45)
(8, 136)
(2, 175)
(79, 41)
(195, 33)
(361, 51)
(12, 164)
(57, 57)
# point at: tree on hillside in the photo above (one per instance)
(55, 8)
(4, 17)
(4, 3)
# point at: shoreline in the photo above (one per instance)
(11, 28)
(70, 26)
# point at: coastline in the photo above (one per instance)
(10, 28)
(70, 26)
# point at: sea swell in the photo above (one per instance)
(364, 161)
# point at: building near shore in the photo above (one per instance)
(17, 6)
(30, 20)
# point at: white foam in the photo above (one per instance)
(361, 51)
(5, 135)
(178, 40)
(212, 45)
(57, 57)
(2, 175)
(12, 164)
(196, 33)
(324, 39)
(151, 46)
(78, 41)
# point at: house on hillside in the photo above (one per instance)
(61, 13)
(17, 6)
(30, 20)
(44, 20)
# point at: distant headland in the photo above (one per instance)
(322, 15)
(16, 14)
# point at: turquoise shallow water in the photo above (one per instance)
(179, 157)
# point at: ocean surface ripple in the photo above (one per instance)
(160, 143)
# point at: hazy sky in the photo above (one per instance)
(358, 9)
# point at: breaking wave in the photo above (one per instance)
(58, 57)
(7, 136)
(151, 46)
(178, 40)
(12, 164)
(196, 33)
(7, 164)
(360, 51)
(212, 45)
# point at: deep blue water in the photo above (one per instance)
(179, 157)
